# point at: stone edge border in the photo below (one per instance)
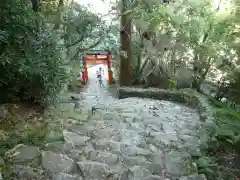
(188, 97)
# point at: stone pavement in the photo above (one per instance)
(126, 139)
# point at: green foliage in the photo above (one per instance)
(216, 166)
(172, 84)
(197, 35)
(207, 166)
(210, 167)
(35, 47)
(74, 79)
(30, 61)
(228, 123)
(29, 135)
(23, 125)
(111, 41)
(234, 94)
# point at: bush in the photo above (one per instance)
(74, 78)
(235, 86)
(228, 124)
(30, 62)
(221, 162)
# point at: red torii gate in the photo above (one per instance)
(96, 57)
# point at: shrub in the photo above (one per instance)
(30, 61)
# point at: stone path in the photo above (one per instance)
(127, 139)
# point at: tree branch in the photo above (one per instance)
(79, 50)
(79, 40)
(76, 42)
(91, 46)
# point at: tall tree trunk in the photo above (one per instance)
(36, 4)
(139, 61)
(125, 38)
(36, 7)
(60, 12)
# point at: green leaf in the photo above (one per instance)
(141, 24)
(3, 36)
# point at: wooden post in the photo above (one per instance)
(83, 70)
(109, 68)
(86, 71)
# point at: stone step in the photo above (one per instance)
(56, 163)
(120, 148)
(64, 176)
(82, 129)
(59, 147)
(26, 172)
(94, 130)
(94, 170)
(116, 124)
(110, 115)
(75, 139)
(179, 163)
(89, 154)
(122, 162)
(103, 157)
(100, 130)
(121, 135)
(137, 127)
(130, 161)
(164, 140)
(136, 173)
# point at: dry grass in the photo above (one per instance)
(24, 124)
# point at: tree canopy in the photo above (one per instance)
(200, 37)
(37, 41)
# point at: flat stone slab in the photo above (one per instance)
(64, 176)
(104, 157)
(75, 139)
(94, 170)
(130, 161)
(121, 148)
(162, 140)
(59, 147)
(135, 173)
(77, 155)
(22, 153)
(179, 164)
(25, 173)
(56, 163)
